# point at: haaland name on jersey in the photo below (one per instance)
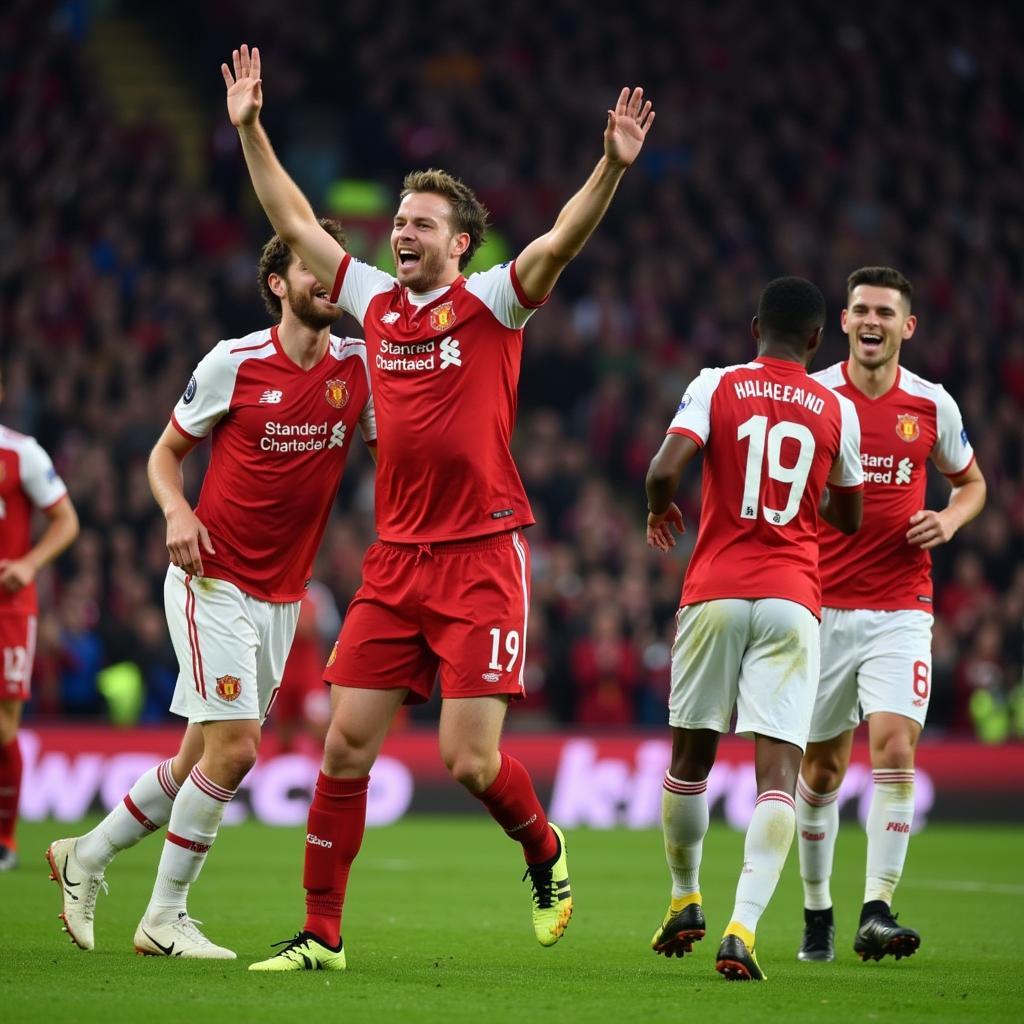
(779, 393)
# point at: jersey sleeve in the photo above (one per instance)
(356, 283)
(500, 291)
(693, 417)
(952, 452)
(38, 477)
(368, 421)
(207, 396)
(847, 470)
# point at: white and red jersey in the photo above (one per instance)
(914, 421)
(27, 480)
(445, 370)
(281, 436)
(772, 437)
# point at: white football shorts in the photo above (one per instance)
(759, 656)
(231, 648)
(871, 661)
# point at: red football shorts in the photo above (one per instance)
(18, 650)
(457, 610)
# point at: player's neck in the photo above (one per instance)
(873, 382)
(304, 346)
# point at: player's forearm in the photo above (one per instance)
(661, 484)
(965, 502)
(61, 530)
(282, 200)
(166, 480)
(584, 211)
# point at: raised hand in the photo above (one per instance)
(628, 125)
(245, 90)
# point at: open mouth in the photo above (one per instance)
(871, 342)
(408, 257)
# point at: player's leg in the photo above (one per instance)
(895, 690)
(778, 680)
(10, 780)
(817, 826)
(706, 655)
(836, 715)
(78, 864)
(377, 646)
(17, 650)
(469, 735)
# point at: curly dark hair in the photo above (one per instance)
(469, 215)
(275, 257)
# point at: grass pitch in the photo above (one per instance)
(437, 929)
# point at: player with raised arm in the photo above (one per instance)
(282, 405)
(747, 627)
(877, 622)
(446, 588)
(27, 481)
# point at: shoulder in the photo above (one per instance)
(343, 349)
(12, 439)
(913, 384)
(713, 376)
(831, 376)
(258, 345)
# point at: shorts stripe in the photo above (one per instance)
(166, 779)
(187, 844)
(517, 543)
(674, 785)
(193, 639)
(813, 798)
(778, 796)
(210, 788)
(148, 825)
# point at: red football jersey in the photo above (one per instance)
(772, 437)
(445, 369)
(914, 421)
(27, 480)
(281, 436)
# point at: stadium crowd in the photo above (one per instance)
(777, 149)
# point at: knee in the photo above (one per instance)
(895, 750)
(346, 752)
(823, 770)
(10, 715)
(234, 758)
(471, 769)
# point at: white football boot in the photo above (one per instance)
(177, 937)
(78, 891)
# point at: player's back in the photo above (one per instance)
(772, 438)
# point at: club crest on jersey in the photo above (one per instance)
(229, 687)
(907, 427)
(337, 393)
(442, 317)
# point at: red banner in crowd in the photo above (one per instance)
(589, 780)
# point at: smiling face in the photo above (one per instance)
(305, 296)
(425, 248)
(877, 321)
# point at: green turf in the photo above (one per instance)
(437, 929)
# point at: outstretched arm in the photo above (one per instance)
(543, 260)
(286, 207)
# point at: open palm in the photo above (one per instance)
(245, 90)
(628, 125)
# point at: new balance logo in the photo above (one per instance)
(338, 432)
(389, 318)
(897, 826)
(271, 397)
(312, 840)
(812, 837)
(450, 354)
(904, 471)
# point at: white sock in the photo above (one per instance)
(145, 808)
(195, 818)
(817, 825)
(684, 820)
(769, 838)
(888, 826)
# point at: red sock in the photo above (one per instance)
(10, 789)
(514, 806)
(334, 833)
